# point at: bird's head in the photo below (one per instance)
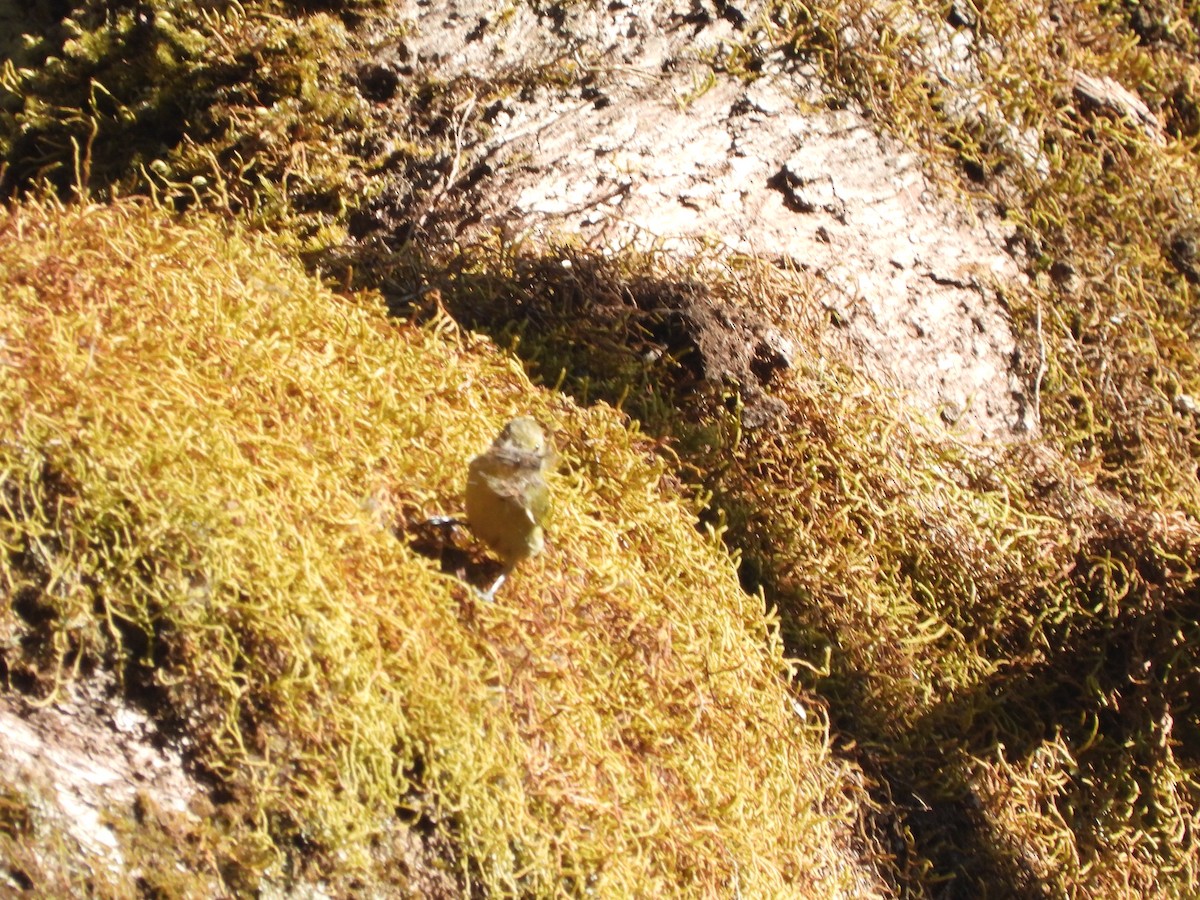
(523, 435)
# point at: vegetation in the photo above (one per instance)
(249, 108)
(1005, 637)
(1007, 649)
(1105, 203)
(212, 472)
(1068, 593)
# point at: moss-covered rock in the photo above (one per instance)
(212, 477)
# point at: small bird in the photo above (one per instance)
(507, 495)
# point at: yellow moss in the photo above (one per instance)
(211, 469)
(960, 609)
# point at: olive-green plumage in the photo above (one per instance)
(507, 497)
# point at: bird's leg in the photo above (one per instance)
(489, 596)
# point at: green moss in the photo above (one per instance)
(255, 109)
(1052, 668)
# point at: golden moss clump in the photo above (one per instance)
(1019, 623)
(1006, 648)
(1008, 644)
(210, 473)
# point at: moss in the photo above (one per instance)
(37, 855)
(308, 119)
(1005, 640)
(1086, 186)
(1031, 614)
(259, 109)
(991, 630)
(221, 470)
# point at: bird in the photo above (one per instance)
(507, 495)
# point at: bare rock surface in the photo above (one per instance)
(87, 759)
(655, 151)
